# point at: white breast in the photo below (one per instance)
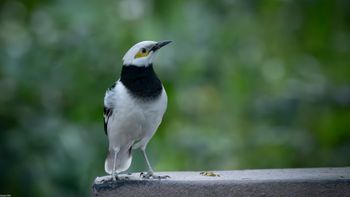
(134, 120)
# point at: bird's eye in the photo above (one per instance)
(141, 53)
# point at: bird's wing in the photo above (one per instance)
(107, 112)
(108, 107)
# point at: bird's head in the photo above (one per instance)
(143, 53)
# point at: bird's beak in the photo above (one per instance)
(160, 44)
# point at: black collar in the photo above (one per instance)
(141, 81)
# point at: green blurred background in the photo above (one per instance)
(251, 84)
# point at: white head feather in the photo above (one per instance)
(130, 59)
(143, 53)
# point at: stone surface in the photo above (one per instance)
(274, 182)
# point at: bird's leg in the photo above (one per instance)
(150, 170)
(114, 174)
(150, 173)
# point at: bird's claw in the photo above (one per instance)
(150, 175)
(105, 179)
(115, 177)
(121, 178)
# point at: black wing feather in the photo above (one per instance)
(108, 110)
(107, 113)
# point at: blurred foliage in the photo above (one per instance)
(251, 84)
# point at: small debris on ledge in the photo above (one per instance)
(209, 173)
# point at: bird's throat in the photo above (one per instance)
(141, 82)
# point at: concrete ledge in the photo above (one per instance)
(275, 182)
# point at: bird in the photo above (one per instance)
(133, 108)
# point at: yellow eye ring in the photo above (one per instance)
(142, 53)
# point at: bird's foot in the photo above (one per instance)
(105, 179)
(115, 177)
(151, 175)
(121, 177)
(111, 178)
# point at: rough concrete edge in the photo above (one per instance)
(108, 186)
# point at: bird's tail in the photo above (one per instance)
(123, 161)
